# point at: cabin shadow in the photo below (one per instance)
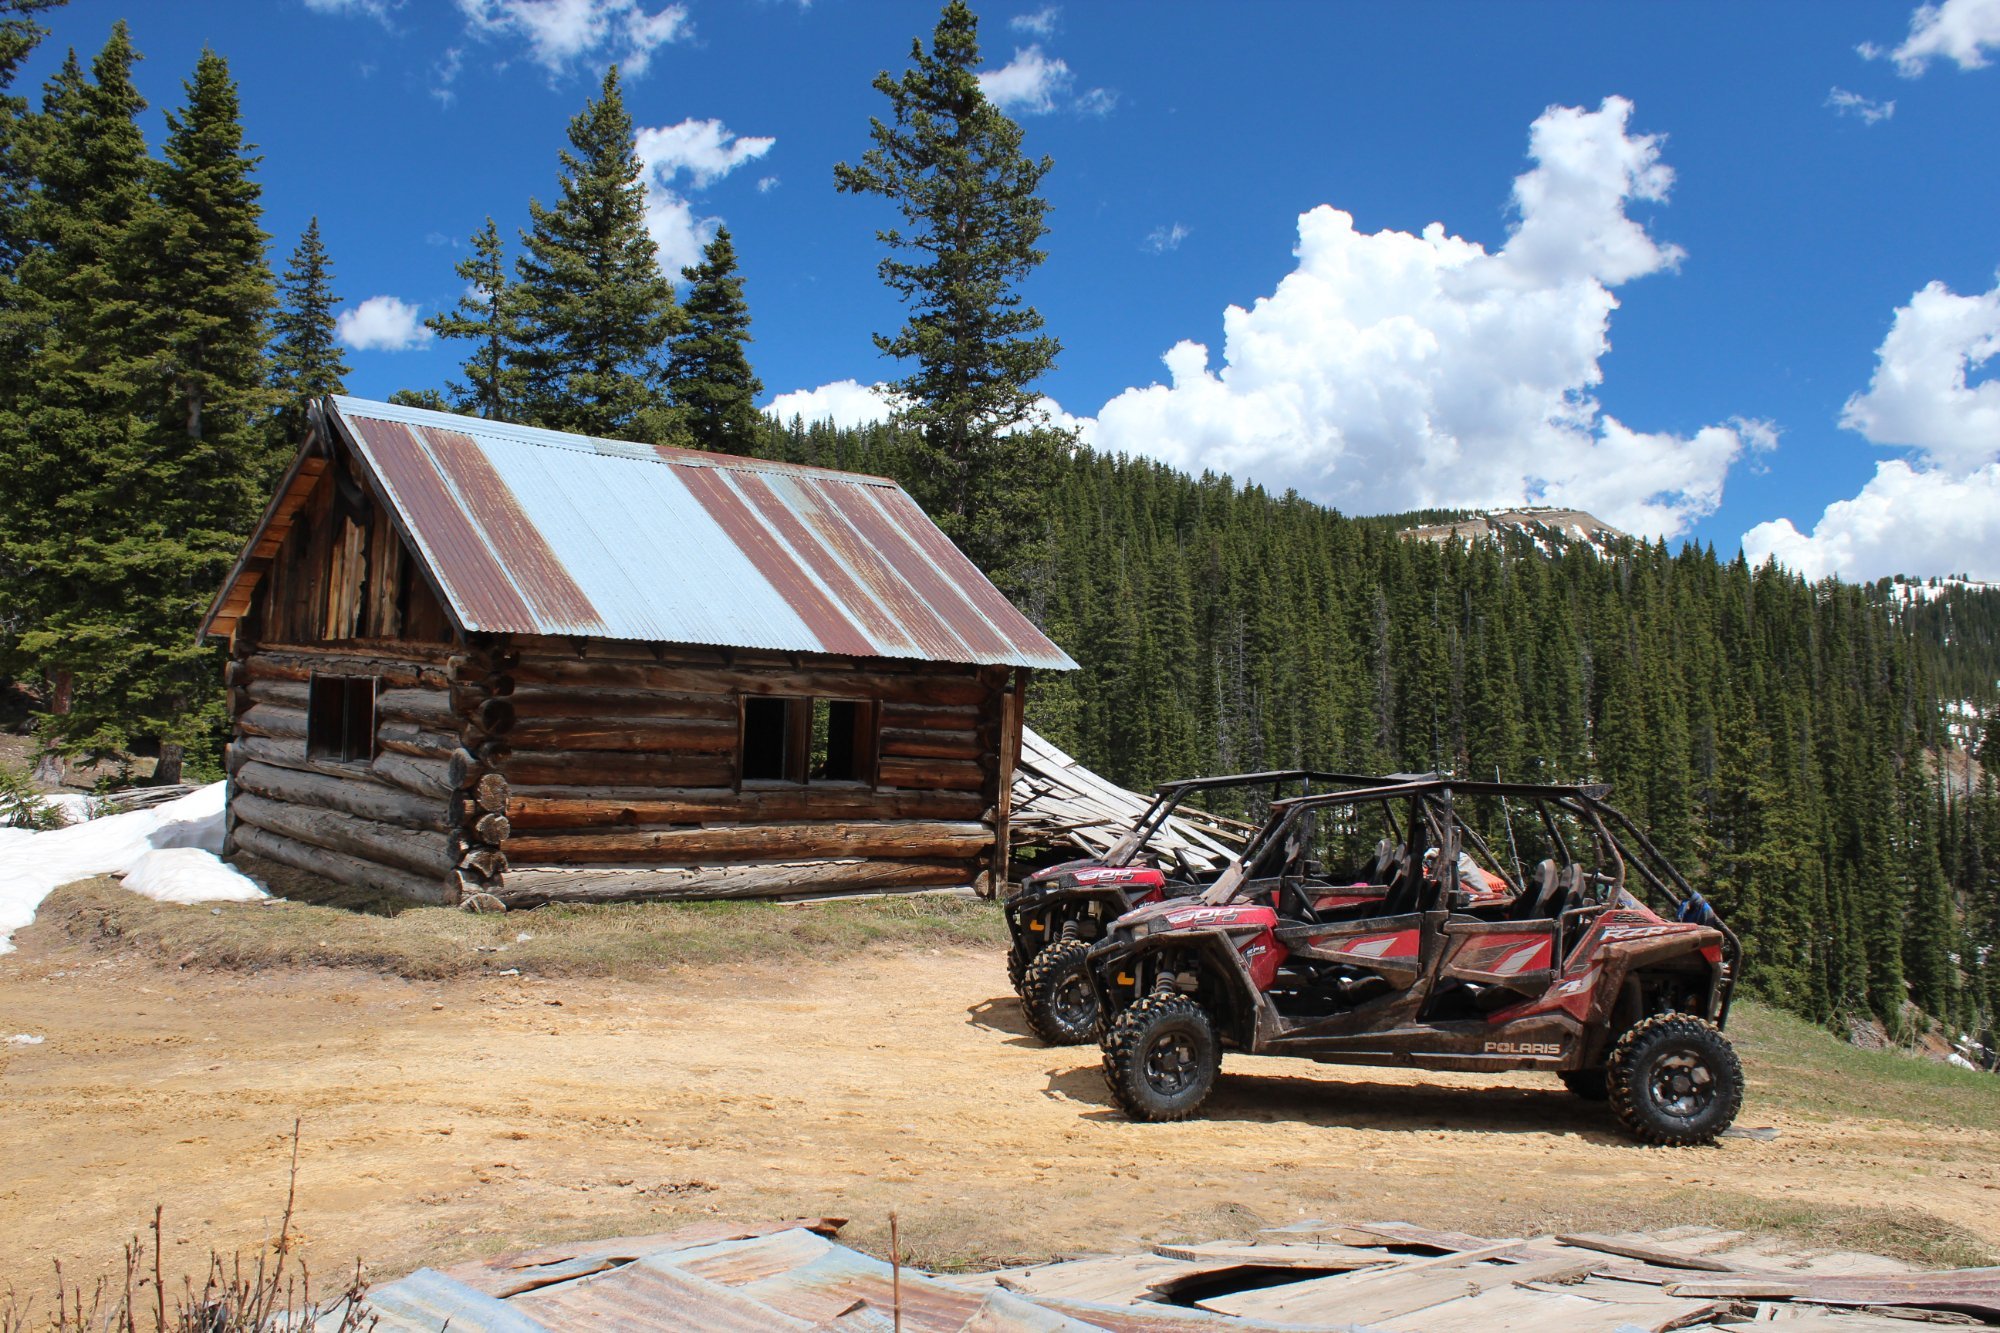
(302, 886)
(1357, 1103)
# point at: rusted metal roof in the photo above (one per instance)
(537, 532)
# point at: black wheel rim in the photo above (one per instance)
(1074, 1003)
(1683, 1086)
(1171, 1068)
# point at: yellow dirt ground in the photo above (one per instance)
(443, 1120)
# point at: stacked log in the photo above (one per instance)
(622, 765)
(384, 823)
(482, 716)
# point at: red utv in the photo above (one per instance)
(1063, 909)
(1564, 969)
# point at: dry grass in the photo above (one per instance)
(1807, 1071)
(432, 943)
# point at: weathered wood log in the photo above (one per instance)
(601, 768)
(930, 719)
(918, 689)
(425, 708)
(906, 839)
(463, 769)
(490, 792)
(272, 720)
(528, 886)
(421, 851)
(293, 664)
(637, 735)
(487, 861)
(465, 883)
(581, 807)
(288, 693)
(500, 685)
(900, 743)
(491, 829)
(425, 776)
(569, 701)
(409, 738)
(950, 774)
(368, 799)
(340, 868)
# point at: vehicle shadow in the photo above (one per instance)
(1002, 1015)
(1347, 1102)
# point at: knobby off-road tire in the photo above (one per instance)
(1588, 1084)
(1017, 966)
(1161, 1058)
(1674, 1080)
(1056, 995)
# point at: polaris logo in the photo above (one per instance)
(1524, 1048)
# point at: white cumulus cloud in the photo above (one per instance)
(1030, 84)
(704, 150)
(381, 324)
(562, 33)
(1958, 30)
(1854, 104)
(845, 403)
(1937, 511)
(1392, 371)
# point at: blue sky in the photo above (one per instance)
(1755, 291)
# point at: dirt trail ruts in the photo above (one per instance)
(443, 1120)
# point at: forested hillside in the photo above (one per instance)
(1780, 738)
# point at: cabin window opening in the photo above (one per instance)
(843, 741)
(768, 744)
(808, 740)
(340, 718)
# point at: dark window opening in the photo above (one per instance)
(808, 740)
(340, 718)
(843, 741)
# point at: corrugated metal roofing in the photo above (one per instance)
(538, 532)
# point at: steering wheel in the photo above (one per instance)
(1292, 891)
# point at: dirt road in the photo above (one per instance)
(449, 1119)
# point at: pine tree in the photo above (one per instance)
(709, 369)
(306, 361)
(19, 35)
(595, 310)
(66, 390)
(486, 317)
(952, 164)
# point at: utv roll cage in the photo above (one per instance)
(1168, 796)
(1611, 866)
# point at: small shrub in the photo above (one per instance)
(21, 806)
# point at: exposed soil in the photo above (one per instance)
(447, 1119)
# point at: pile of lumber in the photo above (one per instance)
(1060, 803)
(1389, 1277)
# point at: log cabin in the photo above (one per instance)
(495, 666)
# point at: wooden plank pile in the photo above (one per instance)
(1359, 1277)
(1060, 803)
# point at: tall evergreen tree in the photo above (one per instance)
(595, 310)
(19, 35)
(951, 162)
(487, 317)
(306, 361)
(709, 368)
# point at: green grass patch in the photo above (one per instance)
(433, 943)
(1793, 1065)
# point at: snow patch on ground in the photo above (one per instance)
(168, 852)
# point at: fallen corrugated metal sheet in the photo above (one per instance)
(738, 1280)
(1059, 802)
(537, 532)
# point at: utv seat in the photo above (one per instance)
(1542, 895)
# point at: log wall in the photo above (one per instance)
(622, 766)
(516, 771)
